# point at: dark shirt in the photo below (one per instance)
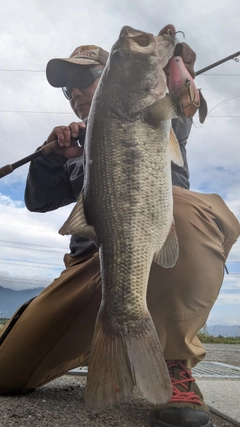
(53, 182)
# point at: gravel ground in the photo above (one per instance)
(61, 403)
(224, 353)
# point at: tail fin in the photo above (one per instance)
(110, 376)
(123, 358)
(151, 373)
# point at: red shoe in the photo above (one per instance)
(186, 407)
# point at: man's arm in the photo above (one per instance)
(49, 182)
(55, 180)
(180, 175)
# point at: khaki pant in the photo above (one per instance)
(54, 332)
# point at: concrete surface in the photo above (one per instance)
(61, 402)
(222, 395)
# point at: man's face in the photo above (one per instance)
(80, 95)
(81, 100)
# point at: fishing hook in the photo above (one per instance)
(181, 33)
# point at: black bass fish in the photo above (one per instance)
(126, 208)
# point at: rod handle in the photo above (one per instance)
(5, 170)
(49, 148)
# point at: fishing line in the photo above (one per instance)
(225, 100)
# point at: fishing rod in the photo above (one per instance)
(49, 148)
(45, 149)
(215, 64)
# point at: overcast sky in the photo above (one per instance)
(34, 31)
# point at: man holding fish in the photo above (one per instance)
(170, 249)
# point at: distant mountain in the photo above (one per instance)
(11, 300)
(224, 331)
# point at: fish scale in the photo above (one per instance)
(126, 207)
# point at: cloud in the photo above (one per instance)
(32, 33)
(30, 247)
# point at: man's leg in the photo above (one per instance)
(180, 299)
(55, 331)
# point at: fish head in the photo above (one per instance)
(136, 65)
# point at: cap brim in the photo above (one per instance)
(58, 69)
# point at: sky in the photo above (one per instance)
(34, 31)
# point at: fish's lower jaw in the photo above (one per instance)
(121, 361)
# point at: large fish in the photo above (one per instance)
(126, 207)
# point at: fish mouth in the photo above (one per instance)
(140, 37)
(141, 42)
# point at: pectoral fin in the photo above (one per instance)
(167, 257)
(164, 109)
(176, 155)
(77, 224)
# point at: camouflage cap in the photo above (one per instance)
(58, 68)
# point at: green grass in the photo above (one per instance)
(2, 322)
(205, 338)
(1, 326)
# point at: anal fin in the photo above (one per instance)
(168, 255)
(176, 155)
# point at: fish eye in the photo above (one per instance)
(142, 40)
(117, 54)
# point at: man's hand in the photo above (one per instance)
(187, 54)
(64, 134)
